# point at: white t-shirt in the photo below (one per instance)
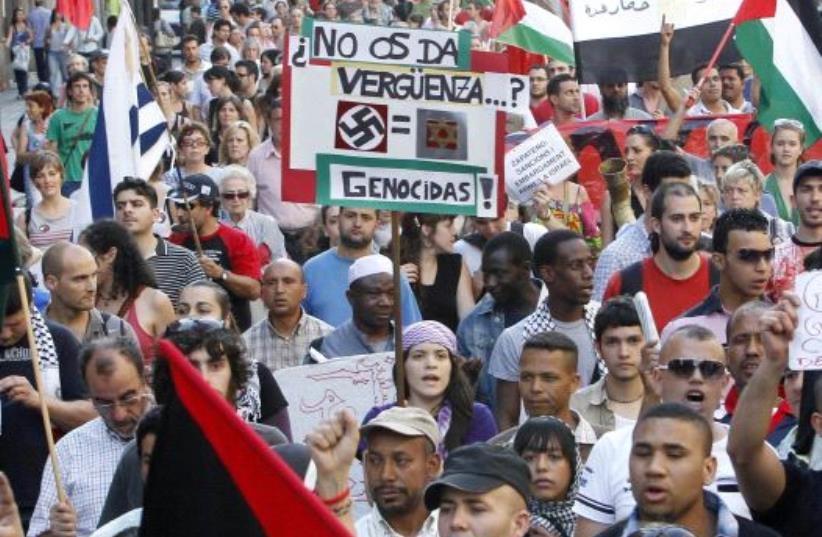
(473, 255)
(605, 488)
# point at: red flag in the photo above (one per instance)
(211, 475)
(506, 14)
(78, 12)
(755, 9)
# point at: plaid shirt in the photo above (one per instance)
(88, 457)
(268, 347)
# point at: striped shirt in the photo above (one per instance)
(88, 456)
(268, 347)
(43, 231)
(174, 267)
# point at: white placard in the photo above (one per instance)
(543, 157)
(316, 392)
(806, 347)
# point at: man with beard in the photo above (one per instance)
(613, 85)
(742, 255)
(565, 97)
(677, 275)
(88, 456)
(327, 273)
(399, 461)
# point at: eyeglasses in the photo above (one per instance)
(538, 79)
(749, 255)
(194, 143)
(686, 367)
(241, 195)
(130, 401)
(666, 531)
(186, 325)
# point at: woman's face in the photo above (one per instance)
(708, 211)
(19, 15)
(266, 65)
(739, 195)
(199, 303)
(236, 196)
(228, 114)
(428, 371)
(637, 152)
(793, 389)
(34, 110)
(238, 146)
(550, 472)
(251, 52)
(442, 237)
(330, 11)
(786, 147)
(721, 165)
(164, 93)
(49, 181)
(181, 88)
(331, 225)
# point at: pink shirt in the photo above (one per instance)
(265, 164)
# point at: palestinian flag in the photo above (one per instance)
(782, 40)
(533, 28)
(9, 260)
(625, 36)
(212, 476)
(78, 12)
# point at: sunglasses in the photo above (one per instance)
(640, 129)
(182, 205)
(241, 195)
(749, 255)
(686, 367)
(186, 325)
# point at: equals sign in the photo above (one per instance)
(400, 130)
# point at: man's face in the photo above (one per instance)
(119, 395)
(680, 226)
(694, 389)
(277, 28)
(745, 349)
(668, 468)
(571, 278)
(215, 370)
(546, 381)
(14, 328)
(501, 277)
(222, 33)
(619, 90)
(746, 264)
(247, 80)
(99, 67)
(197, 216)
(556, 67)
(499, 512)
(80, 92)
(621, 348)
(135, 212)
(397, 469)
(569, 98)
(283, 288)
(489, 227)
(357, 227)
(539, 83)
(275, 124)
(720, 135)
(712, 88)
(191, 52)
(372, 300)
(76, 286)
(732, 85)
(721, 165)
(808, 199)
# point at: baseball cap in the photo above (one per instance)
(480, 468)
(405, 421)
(197, 186)
(812, 168)
(368, 266)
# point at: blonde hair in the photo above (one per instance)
(253, 138)
(745, 171)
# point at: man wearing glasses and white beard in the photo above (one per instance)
(691, 371)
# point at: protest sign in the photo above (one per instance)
(315, 392)
(395, 118)
(543, 157)
(806, 346)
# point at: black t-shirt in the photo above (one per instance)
(746, 529)
(272, 399)
(799, 510)
(23, 449)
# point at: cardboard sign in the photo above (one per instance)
(395, 118)
(315, 392)
(542, 158)
(806, 347)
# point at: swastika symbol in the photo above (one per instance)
(361, 127)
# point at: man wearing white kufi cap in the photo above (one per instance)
(371, 295)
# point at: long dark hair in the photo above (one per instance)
(805, 433)
(411, 236)
(461, 396)
(538, 433)
(131, 272)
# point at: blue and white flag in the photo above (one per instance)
(131, 134)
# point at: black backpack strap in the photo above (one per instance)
(106, 317)
(631, 279)
(713, 274)
(518, 228)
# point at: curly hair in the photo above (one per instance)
(131, 272)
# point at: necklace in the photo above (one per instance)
(611, 399)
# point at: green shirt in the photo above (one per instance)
(786, 212)
(72, 133)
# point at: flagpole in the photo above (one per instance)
(398, 357)
(722, 42)
(38, 380)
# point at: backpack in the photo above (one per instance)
(631, 281)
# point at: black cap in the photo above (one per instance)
(195, 187)
(812, 168)
(97, 54)
(480, 468)
(612, 75)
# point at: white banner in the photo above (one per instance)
(542, 158)
(806, 347)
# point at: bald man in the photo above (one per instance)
(282, 338)
(70, 274)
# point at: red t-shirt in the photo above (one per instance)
(669, 298)
(543, 111)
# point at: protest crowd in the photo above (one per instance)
(626, 350)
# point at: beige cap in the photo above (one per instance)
(405, 421)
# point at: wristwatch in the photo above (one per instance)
(224, 276)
